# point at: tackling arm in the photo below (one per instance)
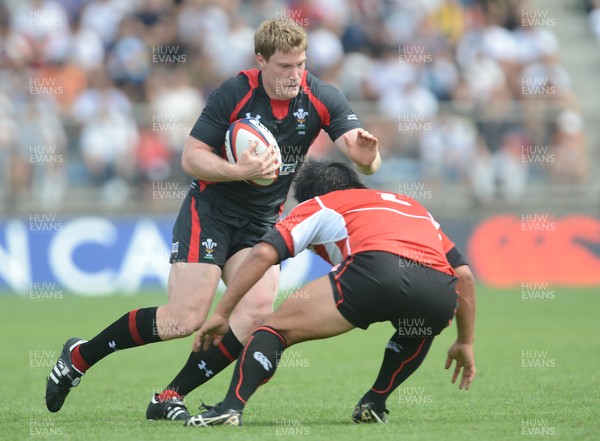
(272, 249)
(262, 257)
(258, 261)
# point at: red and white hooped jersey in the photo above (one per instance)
(342, 223)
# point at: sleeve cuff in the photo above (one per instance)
(275, 238)
(455, 259)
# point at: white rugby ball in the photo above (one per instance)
(238, 138)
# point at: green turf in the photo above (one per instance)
(312, 396)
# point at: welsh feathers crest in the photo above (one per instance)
(300, 115)
(209, 244)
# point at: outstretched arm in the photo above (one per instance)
(361, 147)
(262, 257)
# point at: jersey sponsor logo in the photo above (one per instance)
(174, 249)
(260, 357)
(291, 155)
(287, 169)
(209, 247)
(352, 117)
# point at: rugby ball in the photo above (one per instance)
(241, 134)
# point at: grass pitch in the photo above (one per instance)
(537, 359)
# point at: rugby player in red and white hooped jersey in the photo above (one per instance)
(223, 216)
(391, 263)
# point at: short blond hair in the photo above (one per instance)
(281, 34)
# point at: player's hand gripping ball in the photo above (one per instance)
(241, 134)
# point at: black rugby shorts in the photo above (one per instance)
(204, 233)
(377, 286)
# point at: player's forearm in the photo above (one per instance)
(204, 165)
(254, 266)
(370, 168)
(465, 314)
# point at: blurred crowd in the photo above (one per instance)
(592, 9)
(102, 93)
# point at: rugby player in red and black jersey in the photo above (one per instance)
(223, 216)
(391, 263)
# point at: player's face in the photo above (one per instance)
(282, 73)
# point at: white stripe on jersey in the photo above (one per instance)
(428, 218)
(325, 227)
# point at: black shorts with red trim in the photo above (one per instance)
(376, 286)
(207, 234)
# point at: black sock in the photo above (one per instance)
(255, 366)
(203, 365)
(401, 358)
(136, 328)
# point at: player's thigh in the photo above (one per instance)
(199, 250)
(309, 314)
(191, 288)
(257, 303)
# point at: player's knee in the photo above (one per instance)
(245, 322)
(174, 323)
(258, 314)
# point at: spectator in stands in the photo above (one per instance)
(441, 75)
(108, 144)
(41, 158)
(11, 159)
(103, 17)
(175, 106)
(503, 173)
(129, 59)
(87, 50)
(594, 18)
(448, 148)
(325, 52)
(16, 50)
(46, 25)
(545, 77)
(101, 95)
(153, 160)
(569, 164)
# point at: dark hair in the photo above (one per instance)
(317, 178)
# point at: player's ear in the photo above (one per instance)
(260, 60)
